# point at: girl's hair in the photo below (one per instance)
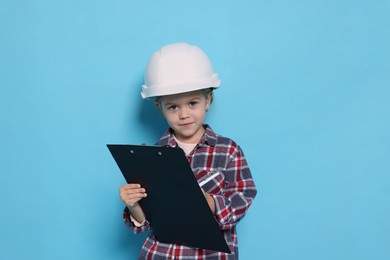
(205, 92)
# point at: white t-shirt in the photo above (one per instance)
(187, 147)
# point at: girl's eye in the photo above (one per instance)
(193, 103)
(173, 107)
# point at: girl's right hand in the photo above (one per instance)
(132, 193)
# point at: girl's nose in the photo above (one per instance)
(183, 114)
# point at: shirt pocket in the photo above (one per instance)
(211, 182)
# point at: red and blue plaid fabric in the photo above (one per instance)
(233, 191)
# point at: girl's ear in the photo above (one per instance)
(157, 104)
(209, 99)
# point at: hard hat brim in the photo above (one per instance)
(158, 91)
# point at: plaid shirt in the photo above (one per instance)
(233, 191)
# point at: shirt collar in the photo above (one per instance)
(209, 138)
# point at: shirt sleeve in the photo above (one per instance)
(238, 193)
(133, 224)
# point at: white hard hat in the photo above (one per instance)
(178, 68)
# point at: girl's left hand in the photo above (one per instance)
(210, 201)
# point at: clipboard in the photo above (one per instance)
(175, 206)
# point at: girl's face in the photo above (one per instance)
(185, 114)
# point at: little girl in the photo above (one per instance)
(181, 80)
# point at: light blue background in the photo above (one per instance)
(305, 92)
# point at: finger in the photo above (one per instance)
(131, 200)
(133, 193)
(131, 186)
(135, 197)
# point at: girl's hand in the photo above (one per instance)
(210, 201)
(131, 193)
